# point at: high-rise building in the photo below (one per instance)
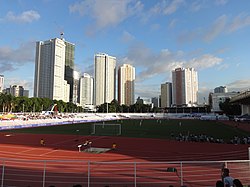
(1, 83)
(26, 93)
(49, 79)
(76, 85)
(220, 89)
(166, 94)
(16, 91)
(218, 98)
(155, 102)
(126, 84)
(105, 78)
(185, 87)
(86, 90)
(69, 69)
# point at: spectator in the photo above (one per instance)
(237, 183)
(227, 180)
(42, 142)
(114, 146)
(219, 183)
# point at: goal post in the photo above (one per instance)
(106, 129)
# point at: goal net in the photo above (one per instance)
(106, 129)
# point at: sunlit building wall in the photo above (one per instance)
(166, 94)
(86, 90)
(126, 84)
(185, 87)
(105, 78)
(49, 79)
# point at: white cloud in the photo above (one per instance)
(166, 7)
(24, 17)
(203, 62)
(150, 65)
(107, 13)
(240, 21)
(27, 85)
(218, 26)
(143, 90)
(173, 7)
(127, 37)
(239, 85)
(172, 23)
(196, 5)
(11, 59)
(221, 2)
(222, 25)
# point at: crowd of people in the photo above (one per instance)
(239, 140)
(206, 138)
(197, 138)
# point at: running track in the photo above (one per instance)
(66, 166)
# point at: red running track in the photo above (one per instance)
(66, 166)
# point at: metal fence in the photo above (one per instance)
(67, 173)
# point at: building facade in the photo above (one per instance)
(155, 102)
(1, 83)
(166, 94)
(126, 85)
(105, 78)
(69, 68)
(218, 98)
(76, 87)
(16, 91)
(220, 89)
(185, 87)
(49, 79)
(86, 90)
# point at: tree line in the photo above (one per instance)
(9, 103)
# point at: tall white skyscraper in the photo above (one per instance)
(86, 90)
(166, 94)
(1, 83)
(126, 84)
(49, 70)
(105, 77)
(185, 87)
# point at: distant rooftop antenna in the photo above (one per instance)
(61, 35)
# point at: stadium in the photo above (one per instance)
(151, 150)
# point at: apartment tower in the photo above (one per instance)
(185, 87)
(126, 84)
(49, 81)
(166, 94)
(69, 73)
(105, 78)
(86, 90)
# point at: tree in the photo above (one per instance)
(229, 108)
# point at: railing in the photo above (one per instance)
(66, 173)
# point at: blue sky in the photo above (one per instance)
(155, 36)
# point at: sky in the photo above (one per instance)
(155, 36)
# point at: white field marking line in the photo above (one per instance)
(31, 149)
(22, 147)
(48, 152)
